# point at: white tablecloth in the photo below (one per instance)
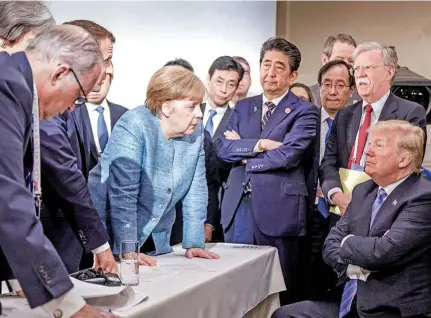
(244, 282)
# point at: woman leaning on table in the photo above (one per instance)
(154, 158)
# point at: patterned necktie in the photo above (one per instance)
(322, 205)
(351, 286)
(362, 138)
(102, 130)
(271, 107)
(210, 124)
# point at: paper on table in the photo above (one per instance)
(154, 273)
(349, 180)
(181, 266)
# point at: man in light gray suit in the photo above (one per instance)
(338, 47)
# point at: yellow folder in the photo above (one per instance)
(349, 180)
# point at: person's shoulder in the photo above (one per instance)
(406, 104)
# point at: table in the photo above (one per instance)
(244, 282)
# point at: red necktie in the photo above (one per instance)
(362, 138)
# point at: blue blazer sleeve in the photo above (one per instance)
(195, 206)
(235, 150)
(61, 170)
(31, 256)
(295, 143)
(123, 172)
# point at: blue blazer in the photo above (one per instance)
(282, 183)
(30, 255)
(142, 176)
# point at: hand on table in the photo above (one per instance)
(106, 261)
(90, 312)
(198, 252)
(146, 260)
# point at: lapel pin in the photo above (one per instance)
(394, 202)
(255, 108)
(287, 110)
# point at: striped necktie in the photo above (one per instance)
(271, 107)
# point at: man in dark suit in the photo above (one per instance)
(374, 69)
(338, 47)
(38, 84)
(381, 247)
(224, 76)
(269, 193)
(68, 215)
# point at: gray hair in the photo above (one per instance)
(17, 18)
(67, 44)
(389, 58)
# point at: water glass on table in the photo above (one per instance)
(129, 267)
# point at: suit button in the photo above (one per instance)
(169, 190)
(153, 220)
(161, 206)
(243, 183)
(58, 313)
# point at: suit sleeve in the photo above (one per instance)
(328, 170)
(31, 256)
(213, 182)
(61, 170)
(408, 237)
(235, 150)
(290, 154)
(418, 116)
(195, 207)
(125, 146)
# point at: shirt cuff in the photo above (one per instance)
(101, 248)
(344, 239)
(14, 284)
(64, 306)
(354, 272)
(331, 192)
(256, 148)
(210, 225)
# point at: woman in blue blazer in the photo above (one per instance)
(154, 158)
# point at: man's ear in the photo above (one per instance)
(405, 160)
(324, 59)
(293, 76)
(60, 73)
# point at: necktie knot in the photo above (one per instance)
(210, 125)
(368, 108)
(100, 109)
(270, 105)
(381, 196)
(212, 113)
(330, 121)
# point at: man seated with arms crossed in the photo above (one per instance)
(381, 247)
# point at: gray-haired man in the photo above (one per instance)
(36, 85)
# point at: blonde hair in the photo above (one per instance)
(173, 83)
(410, 138)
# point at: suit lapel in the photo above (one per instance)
(390, 108)
(89, 132)
(115, 116)
(390, 205)
(222, 125)
(255, 116)
(203, 105)
(353, 123)
(362, 220)
(280, 112)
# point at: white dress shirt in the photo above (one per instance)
(354, 271)
(220, 111)
(377, 108)
(94, 117)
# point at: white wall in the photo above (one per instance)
(151, 33)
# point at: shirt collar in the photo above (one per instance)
(378, 104)
(323, 115)
(390, 188)
(275, 101)
(92, 107)
(220, 110)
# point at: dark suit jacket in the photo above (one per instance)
(69, 218)
(31, 256)
(279, 177)
(116, 111)
(344, 130)
(401, 259)
(222, 125)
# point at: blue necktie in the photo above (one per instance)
(351, 286)
(102, 130)
(210, 125)
(322, 205)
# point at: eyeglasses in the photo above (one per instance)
(97, 277)
(80, 100)
(338, 87)
(365, 68)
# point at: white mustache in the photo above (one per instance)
(363, 81)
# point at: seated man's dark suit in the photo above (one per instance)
(32, 258)
(343, 133)
(397, 251)
(282, 181)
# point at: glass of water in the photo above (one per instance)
(129, 267)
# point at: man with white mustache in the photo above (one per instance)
(374, 68)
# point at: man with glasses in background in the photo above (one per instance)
(374, 68)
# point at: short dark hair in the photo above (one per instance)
(96, 30)
(284, 46)
(226, 63)
(331, 40)
(306, 88)
(180, 62)
(325, 68)
(240, 59)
